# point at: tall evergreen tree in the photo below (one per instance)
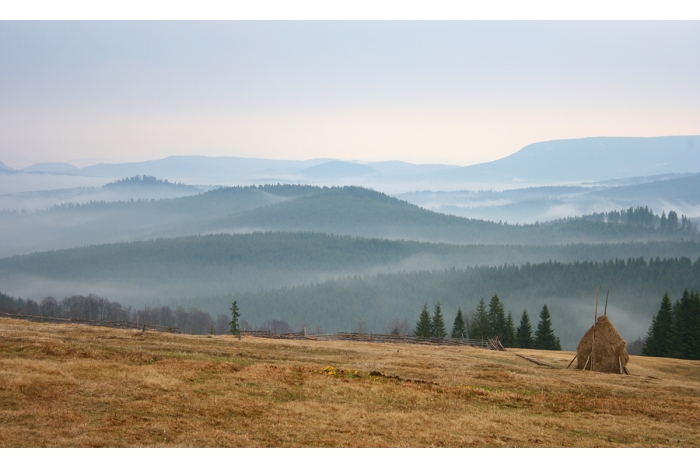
(659, 331)
(235, 329)
(524, 333)
(509, 339)
(497, 316)
(459, 328)
(544, 336)
(672, 221)
(424, 327)
(501, 326)
(683, 328)
(438, 323)
(695, 324)
(481, 326)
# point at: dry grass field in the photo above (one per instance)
(74, 386)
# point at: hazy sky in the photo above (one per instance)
(424, 92)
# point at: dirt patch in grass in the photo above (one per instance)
(74, 385)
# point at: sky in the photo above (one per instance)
(459, 92)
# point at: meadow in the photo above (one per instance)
(83, 386)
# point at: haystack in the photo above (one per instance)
(610, 349)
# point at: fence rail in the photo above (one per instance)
(373, 338)
(123, 324)
(379, 338)
(270, 334)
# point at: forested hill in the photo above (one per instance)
(226, 264)
(367, 213)
(636, 287)
(73, 225)
(127, 189)
(342, 211)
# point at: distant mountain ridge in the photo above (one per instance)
(553, 162)
(49, 167)
(590, 159)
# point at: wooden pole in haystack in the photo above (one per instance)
(595, 320)
(606, 303)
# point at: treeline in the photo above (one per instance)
(215, 264)
(92, 307)
(645, 217)
(143, 180)
(384, 300)
(491, 322)
(675, 329)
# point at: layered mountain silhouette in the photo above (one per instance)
(558, 161)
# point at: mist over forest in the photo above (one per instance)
(329, 245)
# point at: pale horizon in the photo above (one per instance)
(457, 93)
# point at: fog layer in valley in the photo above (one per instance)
(545, 203)
(569, 290)
(349, 257)
(232, 264)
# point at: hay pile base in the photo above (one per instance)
(610, 349)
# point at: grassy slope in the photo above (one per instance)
(73, 385)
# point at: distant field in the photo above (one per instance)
(75, 386)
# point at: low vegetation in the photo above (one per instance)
(75, 385)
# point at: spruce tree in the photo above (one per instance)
(501, 323)
(438, 323)
(544, 336)
(695, 324)
(651, 342)
(234, 320)
(424, 328)
(524, 333)
(497, 316)
(481, 327)
(656, 343)
(672, 221)
(682, 332)
(459, 328)
(509, 339)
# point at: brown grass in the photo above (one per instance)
(74, 385)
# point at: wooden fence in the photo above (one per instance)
(270, 334)
(379, 338)
(123, 324)
(373, 338)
